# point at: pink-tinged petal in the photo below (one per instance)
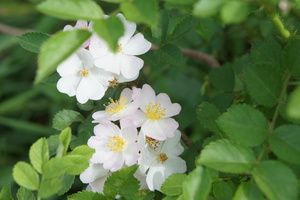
(129, 27)
(94, 142)
(136, 92)
(174, 165)
(89, 88)
(98, 185)
(154, 130)
(99, 157)
(124, 123)
(169, 126)
(106, 129)
(86, 58)
(172, 145)
(155, 178)
(146, 96)
(98, 47)
(172, 109)
(68, 85)
(93, 172)
(115, 162)
(70, 67)
(127, 94)
(137, 118)
(100, 116)
(109, 62)
(130, 66)
(131, 155)
(130, 134)
(137, 45)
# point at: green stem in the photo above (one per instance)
(280, 25)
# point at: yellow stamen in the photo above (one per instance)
(162, 157)
(116, 144)
(113, 83)
(116, 106)
(119, 48)
(154, 111)
(153, 143)
(84, 72)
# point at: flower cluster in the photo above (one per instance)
(136, 129)
(89, 72)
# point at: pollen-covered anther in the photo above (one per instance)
(154, 111)
(162, 157)
(153, 143)
(84, 72)
(115, 106)
(116, 144)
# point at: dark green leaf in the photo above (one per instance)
(32, 41)
(293, 106)
(207, 115)
(248, 191)
(65, 118)
(222, 190)
(291, 56)
(5, 193)
(86, 195)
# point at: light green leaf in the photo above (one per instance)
(197, 184)
(26, 176)
(24, 194)
(39, 154)
(207, 8)
(32, 41)
(123, 183)
(71, 9)
(276, 180)
(226, 156)
(293, 106)
(244, 125)
(78, 160)
(65, 118)
(110, 29)
(173, 185)
(87, 195)
(56, 49)
(285, 143)
(291, 56)
(68, 181)
(235, 11)
(141, 11)
(248, 191)
(180, 2)
(65, 139)
(5, 193)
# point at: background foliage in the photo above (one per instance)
(233, 65)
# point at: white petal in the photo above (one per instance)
(127, 94)
(141, 177)
(106, 129)
(97, 185)
(89, 88)
(175, 165)
(100, 116)
(130, 66)
(86, 58)
(115, 162)
(129, 27)
(172, 109)
(152, 129)
(137, 45)
(137, 118)
(129, 134)
(155, 178)
(68, 85)
(94, 142)
(109, 62)
(93, 172)
(131, 154)
(146, 96)
(68, 28)
(81, 24)
(97, 47)
(71, 66)
(103, 77)
(172, 145)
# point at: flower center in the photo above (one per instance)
(154, 111)
(153, 143)
(119, 48)
(116, 143)
(162, 157)
(115, 106)
(113, 83)
(84, 72)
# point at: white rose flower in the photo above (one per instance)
(80, 78)
(118, 109)
(114, 146)
(123, 63)
(155, 115)
(95, 176)
(159, 164)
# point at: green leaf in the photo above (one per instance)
(24, 194)
(248, 191)
(293, 106)
(222, 190)
(285, 143)
(68, 181)
(180, 2)
(71, 9)
(207, 8)
(26, 176)
(65, 139)
(264, 74)
(78, 160)
(123, 183)
(39, 154)
(32, 41)
(234, 12)
(56, 49)
(222, 78)
(183, 26)
(244, 125)
(110, 29)
(276, 180)
(173, 185)
(207, 115)
(225, 156)
(53, 178)
(65, 118)
(197, 184)
(141, 11)
(86, 195)
(291, 56)
(5, 193)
